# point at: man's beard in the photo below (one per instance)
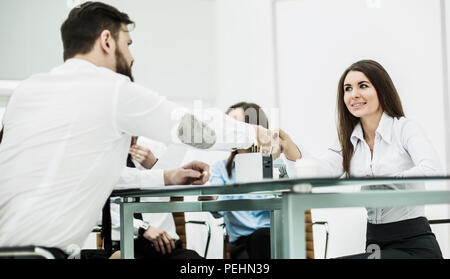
(122, 66)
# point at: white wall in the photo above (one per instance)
(174, 46)
(174, 43)
(318, 39)
(244, 52)
(30, 36)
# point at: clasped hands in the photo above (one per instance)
(272, 142)
(275, 142)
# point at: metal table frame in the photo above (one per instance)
(291, 197)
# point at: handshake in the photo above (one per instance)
(269, 142)
(275, 142)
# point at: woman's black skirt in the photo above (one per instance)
(407, 239)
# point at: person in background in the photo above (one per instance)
(249, 231)
(156, 237)
(376, 139)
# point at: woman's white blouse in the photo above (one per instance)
(400, 149)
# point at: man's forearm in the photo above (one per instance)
(222, 133)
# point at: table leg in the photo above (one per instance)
(126, 231)
(275, 234)
(293, 223)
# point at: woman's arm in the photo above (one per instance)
(327, 164)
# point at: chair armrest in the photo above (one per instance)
(207, 198)
(325, 224)
(208, 227)
(97, 229)
(25, 252)
(439, 221)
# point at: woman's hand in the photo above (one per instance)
(268, 141)
(288, 147)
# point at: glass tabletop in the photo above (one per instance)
(269, 186)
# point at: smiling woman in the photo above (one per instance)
(365, 90)
(377, 140)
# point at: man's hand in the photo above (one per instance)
(288, 147)
(268, 141)
(161, 240)
(195, 172)
(143, 156)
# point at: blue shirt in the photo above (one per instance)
(238, 223)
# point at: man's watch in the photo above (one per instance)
(143, 227)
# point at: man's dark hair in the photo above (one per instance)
(86, 22)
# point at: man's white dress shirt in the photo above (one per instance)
(142, 177)
(400, 149)
(66, 138)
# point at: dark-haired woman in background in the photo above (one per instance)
(249, 231)
(377, 140)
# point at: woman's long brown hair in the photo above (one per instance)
(387, 95)
(253, 114)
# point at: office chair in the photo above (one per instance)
(180, 224)
(180, 228)
(309, 237)
(439, 221)
(327, 233)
